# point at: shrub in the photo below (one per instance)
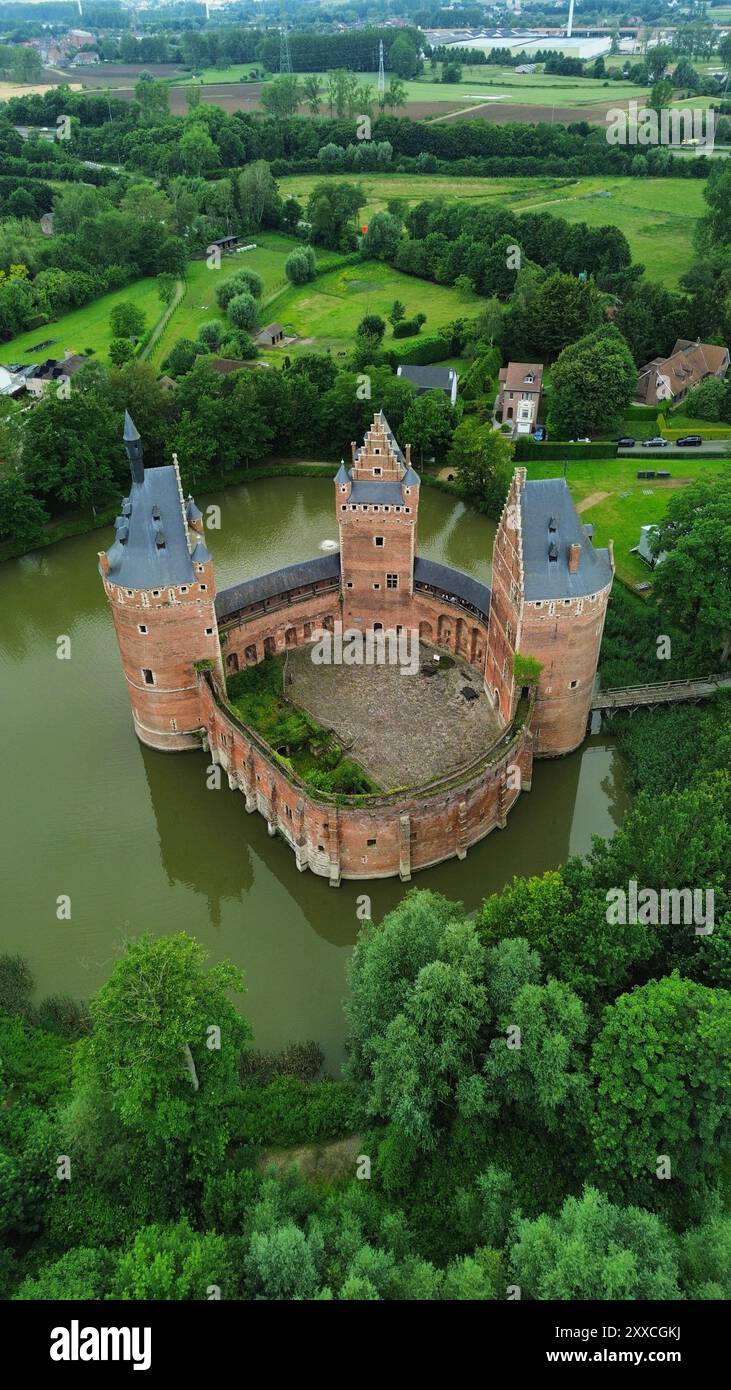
(242, 311)
(290, 1112)
(526, 669)
(299, 266)
(68, 1017)
(16, 985)
(210, 333)
(243, 282)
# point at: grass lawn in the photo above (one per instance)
(199, 301)
(326, 312)
(623, 503)
(84, 328)
(657, 216)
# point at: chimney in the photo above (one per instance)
(352, 450)
(574, 557)
(103, 562)
(133, 445)
(407, 451)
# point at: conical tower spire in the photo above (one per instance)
(133, 445)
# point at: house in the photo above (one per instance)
(431, 379)
(12, 383)
(270, 336)
(85, 60)
(670, 378)
(521, 384)
(42, 374)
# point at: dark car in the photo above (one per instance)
(689, 441)
(626, 442)
(657, 442)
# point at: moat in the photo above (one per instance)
(138, 842)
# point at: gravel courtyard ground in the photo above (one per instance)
(401, 728)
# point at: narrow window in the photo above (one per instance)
(149, 678)
(141, 628)
(379, 540)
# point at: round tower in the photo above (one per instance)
(549, 601)
(158, 576)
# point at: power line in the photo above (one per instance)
(381, 71)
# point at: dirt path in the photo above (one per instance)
(591, 501)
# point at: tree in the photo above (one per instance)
(594, 1250)
(658, 59)
(661, 95)
(481, 459)
(372, 326)
(331, 207)
(181, 357)
(175, 1263)
(27, 65)
(660, 1063)
(127, 321)
(403, 58)
(397, 314)
(281, 97)
(153, 99)
(593, 381)
(166, 287)
(692, 582)
(72, 450)
(243, 281)
(165, 1045)
(395, 95)
(210, 333)
(382, 237)
(280, 1264)
(121, 350)
(299, 266)
(312, 90)
(22, 517)
(82, 1273)
(291, 214)
(429, 424)
(242, 311)
(197, 150)
(147, 204)
(259, 198)
(562, 309)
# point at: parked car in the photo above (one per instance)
(689, 441)
(657, 442)
(626, 442)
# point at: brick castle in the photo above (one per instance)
(548, 599)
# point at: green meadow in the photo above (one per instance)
(83, 330)
(622, 503)
(657, 216)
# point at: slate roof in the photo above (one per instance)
(140, 563)
(451, 581)
(367, 491)
(543, 500)
(266, 586)
(429, 378)
(513, 377)
(688, 364)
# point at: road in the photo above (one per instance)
(718, 447)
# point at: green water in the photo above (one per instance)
(138, 842)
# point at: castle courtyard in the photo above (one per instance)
(402, 728)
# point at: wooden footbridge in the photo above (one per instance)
(632, 697)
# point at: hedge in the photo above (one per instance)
(290, 1111)
(418, 352)
(532, 449)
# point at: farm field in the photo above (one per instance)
(657, 216)
(624, 504)
(85, 329)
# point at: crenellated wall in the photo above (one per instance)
(376, 836)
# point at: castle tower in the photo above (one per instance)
(158, 576)
(377, 504)
(550, 589)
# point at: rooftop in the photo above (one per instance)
(550, 525)
(276, 582)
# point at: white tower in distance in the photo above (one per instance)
(570, 24)
(381, 74)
